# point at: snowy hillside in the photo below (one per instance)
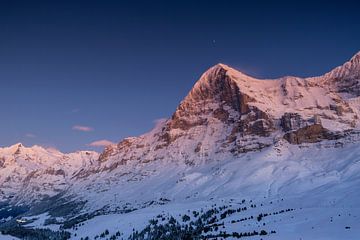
(240, 157)
(31, 174)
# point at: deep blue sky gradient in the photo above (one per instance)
(117, 66)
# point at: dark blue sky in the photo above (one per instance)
(116, 66)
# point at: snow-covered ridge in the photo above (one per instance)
(31, 173)
(348, 69)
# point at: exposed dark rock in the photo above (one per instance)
(310, 134)
(294, 121)
(348, 85)
(58, 172)
(259, 127)
(108, 151)
(234, 132)
(291, 121)
(184, 124)
(198, 147)
(238, 149)
(2, 162)
(256, 122)
(221, 114)
(125, 144)
(18, 150)
(338, 109)
(166, 138)
(30, 176)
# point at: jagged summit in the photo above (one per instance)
(16, 145)
(219, 68)
(20, 148)
(221, 83)
(21, 145)
(220, 65)
(356, 57)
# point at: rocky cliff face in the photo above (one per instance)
(228, 112)
(216, 97)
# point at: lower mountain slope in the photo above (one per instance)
(307, 191)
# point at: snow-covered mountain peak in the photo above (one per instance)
(20, 149)
(31, 173)
(219, 83)
(350, 69)
(15, 147)
(220, 69)
(356, 57)
(217, 67)
(355, 62)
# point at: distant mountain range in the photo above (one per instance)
(235, 142)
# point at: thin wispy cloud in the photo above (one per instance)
(82, 128)
(30, 135)
(101, 143)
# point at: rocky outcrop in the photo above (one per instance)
(108, 151)
(348, 85)
(310, 134)
(2, 162)
(298, 130)
(52, 171)
(291, 121)
(256, 122)
(177, 122)
(221, 114)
